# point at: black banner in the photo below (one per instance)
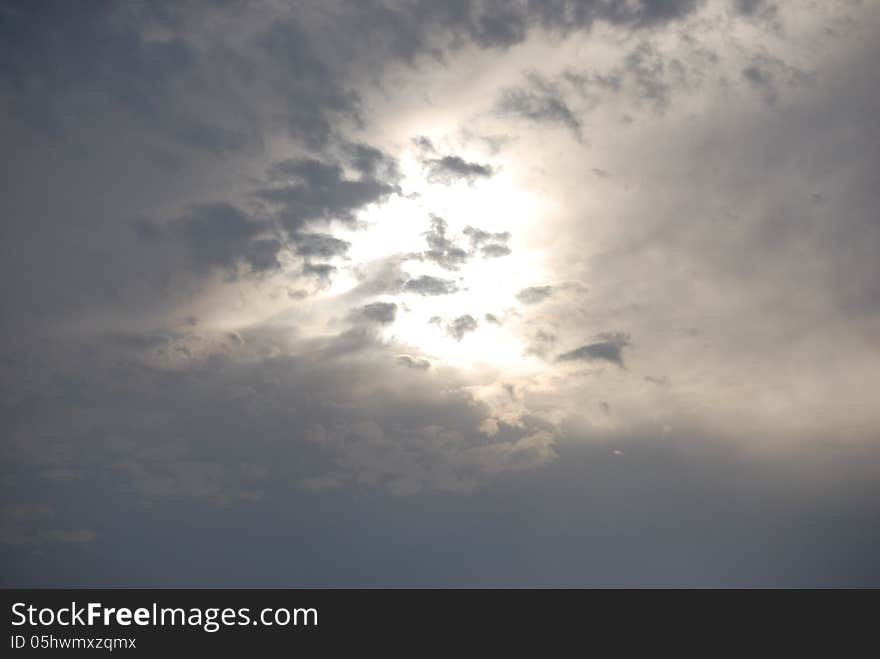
(161, 621)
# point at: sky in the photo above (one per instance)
(413, 293)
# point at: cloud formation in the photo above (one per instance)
(609, 348)
(337, 291)
(428, 285)
(449, 169)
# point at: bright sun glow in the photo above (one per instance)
(484, 285)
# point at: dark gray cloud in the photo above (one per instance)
(372, 163)
(423, 144)
(106, 50)
(216, 139)
(443, 250)
(108, 57)
(32, 524)
(320, 271)
(539, 102)
(609, 528)
(314, 96)
(262, 255)
(652, 75)
(319, 244)
(450, 169)
(646, 76)
(479, 237)
(383, 313)
(770, 75)
(220, 234)
(534, 294)
(411, 29)
(311, 190)
(609, 348)
(765, 8)
(428, 285)
(461, 326)
(413, 362)
(447, 253)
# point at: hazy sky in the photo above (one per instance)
(440, 293)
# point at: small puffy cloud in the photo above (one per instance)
(609, 348)
(534, 294)
(372, 163)
(319, 244)
(415, 363)
(382, 313)
(479, 236)
(494, 250)
(423, 144)
(450, 169)
(428, 285)
(442, 250)
(320, 271)
(461, 326)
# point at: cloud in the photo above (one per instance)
(479, 237)
(315, 97)
(450, 169)
(413, 362)
(762, 8)
(461, 326)
(373, 163)
(320, 271)
(494, 251)
(109, 58)
(220, 235)
(428, 285)
(172, 350)
(319, 244)
(769, 74)
(539, 101)
(411, 29)
(609, 349)
(347, 344)
(379, 277)
(541, 343)
(311, 190)
(26, 524)
(447, 253)
(432, 457)
(443, 251)
(534, 294)
(382, 313)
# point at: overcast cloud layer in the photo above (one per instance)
(440, 293)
